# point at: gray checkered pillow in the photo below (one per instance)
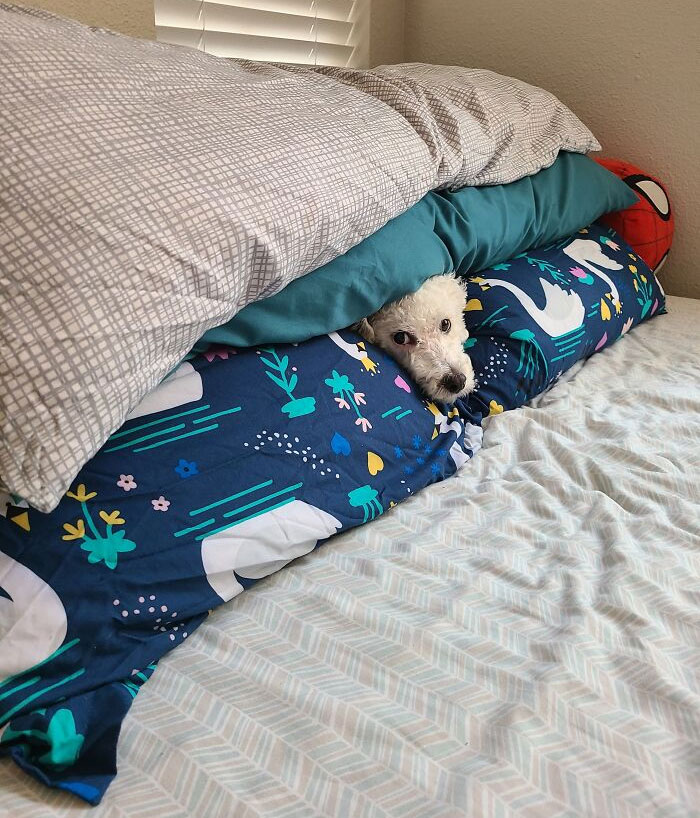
(149, 192)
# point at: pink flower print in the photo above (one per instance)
(161, 504)
(360, 398)
(581, 275)
(126, 482)
(342, 403)
(626, 326)
(611, 244)
(219, 352)
(364, 423)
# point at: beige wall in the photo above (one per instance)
(629, 68)
(386, 36)
(134, 17)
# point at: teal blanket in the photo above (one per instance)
(463, 231)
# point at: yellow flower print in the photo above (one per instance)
(495, 408)
(112, 518)
(632, 256)
(366, 361)
(481, 282)
(644, 279)
(81, 494)
(604, 310)
(75, 532)
(431, 407)
(636, 286)
(472, 305)
(633, 269)
(618, 306)
(368, 364)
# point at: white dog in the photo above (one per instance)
(425, 332)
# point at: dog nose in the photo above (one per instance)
(454, 382)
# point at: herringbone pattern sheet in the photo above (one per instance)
(522, 640)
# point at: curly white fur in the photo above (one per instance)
(434, 356)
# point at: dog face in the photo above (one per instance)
(425, 333)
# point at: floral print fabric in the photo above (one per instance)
(238, 463)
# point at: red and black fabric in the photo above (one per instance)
(647, 225)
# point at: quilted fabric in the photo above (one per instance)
(533, 317)
(148, 192)
(240, 462)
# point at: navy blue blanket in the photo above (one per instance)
(240, 462)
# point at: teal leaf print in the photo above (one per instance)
(277, 372)
(282, 384)
(101, 546)
(64, 741)
(107, 549)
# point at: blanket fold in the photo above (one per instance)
(149, 192)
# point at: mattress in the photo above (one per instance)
(520, 640)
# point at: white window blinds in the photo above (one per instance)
(306, 32)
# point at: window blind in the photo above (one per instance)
(305, 32)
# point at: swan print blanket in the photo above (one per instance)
(238, 463)
(533, 317)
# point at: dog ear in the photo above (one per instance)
(365, 329)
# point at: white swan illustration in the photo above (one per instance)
(444, 424)
(356, 351)
(587, 252)
(184, 385)
(32, 620)
(563, 311)
(263, 544)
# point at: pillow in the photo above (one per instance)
(148, 192)
(240, 462)
(533, 317)
(469, 229)
(648, 224)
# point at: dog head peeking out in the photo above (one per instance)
(425, 333)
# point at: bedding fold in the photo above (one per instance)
(149, 192)
(463, 231)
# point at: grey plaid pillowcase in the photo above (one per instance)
(149, 192)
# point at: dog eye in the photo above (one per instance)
(400, 338)
(446, 325)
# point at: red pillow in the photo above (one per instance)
(648, 225)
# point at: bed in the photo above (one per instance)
(519, 640)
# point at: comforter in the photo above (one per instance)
(149, 192)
